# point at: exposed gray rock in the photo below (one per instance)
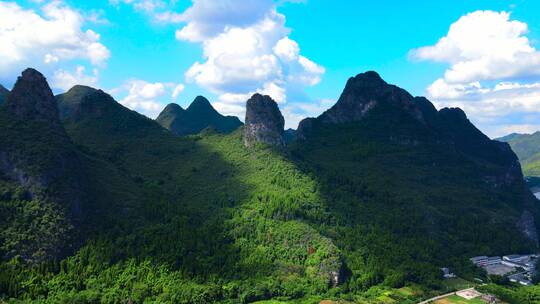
(527, 226)
(33, 184)
(264, 122)
(32, 98)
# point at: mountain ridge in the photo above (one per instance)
(357, 206)
(368, 97)
(198, 116)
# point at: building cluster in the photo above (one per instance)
(517, 268)
(482, 261)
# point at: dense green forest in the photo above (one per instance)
(364, 211)
(514, 294)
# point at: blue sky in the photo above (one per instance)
(148, 53)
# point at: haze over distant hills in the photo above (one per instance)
(101, 204)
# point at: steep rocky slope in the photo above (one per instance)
(38, 158)
(264, 122)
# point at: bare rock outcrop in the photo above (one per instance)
(527, 226)
(32, 99)
(264, 122)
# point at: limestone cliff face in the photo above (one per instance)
(264, 122)
(527, 226)
(32, 99)
(37, 154)
(36, 128)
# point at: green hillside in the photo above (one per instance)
(352, 211)
(527, 148)
(198, 116)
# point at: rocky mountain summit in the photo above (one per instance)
(264, 122)
(365, 92)
(198, 116)
(82, 103)
(38, 156)
(394, 116)
(70, 102)
(32, 99)
(169, 116)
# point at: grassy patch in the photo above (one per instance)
(459, 300)
(454, 284)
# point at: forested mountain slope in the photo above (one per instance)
(527, 148)
(381, 190)
(43, 188)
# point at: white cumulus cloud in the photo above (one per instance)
(177, 90)
(493, 72)
(56, 34)
(484, 45)
(208, 18)
(147, 98)
(246, 49)
(65, 80)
